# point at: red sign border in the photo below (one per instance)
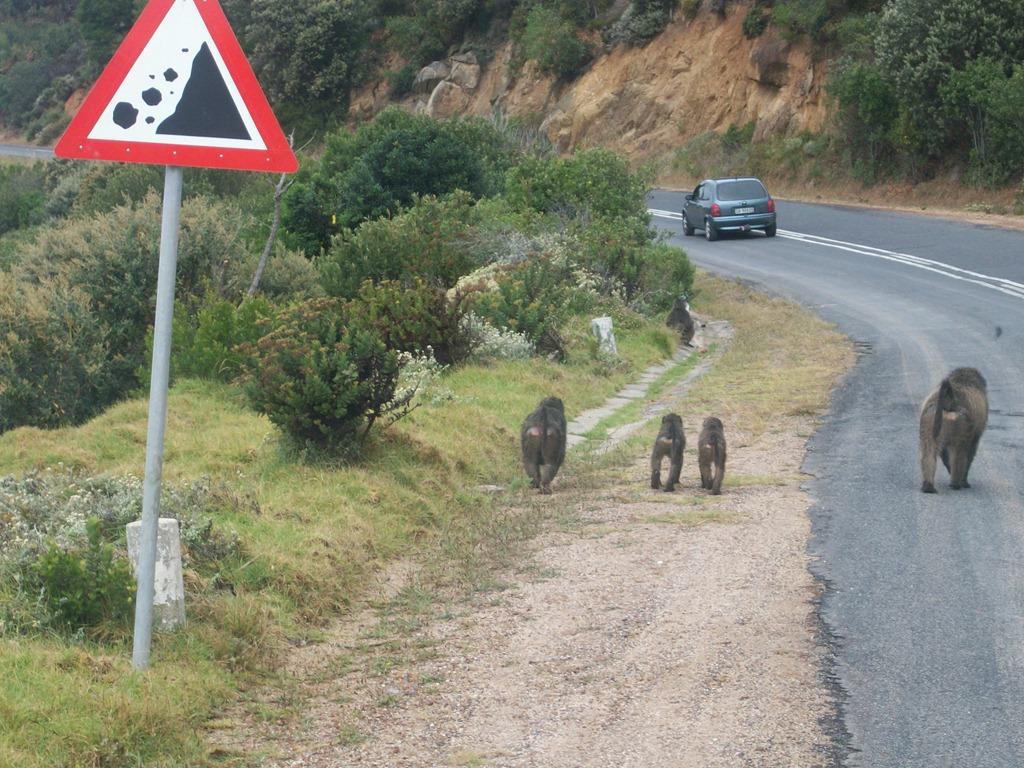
(278, 157)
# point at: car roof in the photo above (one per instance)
(735, 178)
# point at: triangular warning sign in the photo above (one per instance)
(179, 91)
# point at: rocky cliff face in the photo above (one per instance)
(698, 75)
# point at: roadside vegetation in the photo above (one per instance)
(919, 90)
(342, 416)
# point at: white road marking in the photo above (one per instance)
(1008, 287)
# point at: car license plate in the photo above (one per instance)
(744, 210)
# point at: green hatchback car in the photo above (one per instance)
(729, 205)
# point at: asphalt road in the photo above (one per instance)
(15, 150)
(925, 593)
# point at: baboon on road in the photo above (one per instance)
(711, 454)
(953, 419)
(543, 442)
(670, 442)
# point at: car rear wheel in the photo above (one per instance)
(710, 233)
(687, 229)
(770, 230)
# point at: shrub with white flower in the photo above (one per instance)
(490, 343)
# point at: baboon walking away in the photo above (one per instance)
(711, 454)
(670, 442)
(953, 419)
(543, 442)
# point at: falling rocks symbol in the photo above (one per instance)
(206, 107)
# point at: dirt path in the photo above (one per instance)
(651, 642)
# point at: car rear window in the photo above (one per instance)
(748, 189)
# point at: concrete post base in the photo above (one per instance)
(168, 587)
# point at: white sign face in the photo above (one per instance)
(179, 92)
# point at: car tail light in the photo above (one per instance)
(716, 209)
(771, 205)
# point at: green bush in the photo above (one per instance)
(414, 317)
(921, 44)
(736, 137)
(801, 17)
(217, 343)
(384, 166)
(54, 355)
(401, 80)
(592, 183)
(323, 380)
(430, 240)
(553, 43)
(989, 103)
(643, 22)
(867, 115)
(308, 54)
(756, 20)
(530, 299)
(99, 329)
(114, 258)
(666, 273)
(22, 197)
(104, 186)
(430, 26)
(85, 588)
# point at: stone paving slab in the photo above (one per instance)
(713, 332)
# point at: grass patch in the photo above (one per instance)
(782, 361)
(312, 535)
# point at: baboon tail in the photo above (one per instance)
(719, 453)
(946, 401)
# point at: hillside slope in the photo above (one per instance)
(698, 75)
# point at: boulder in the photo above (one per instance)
(465, 71)
(447, 100)
(428, 78)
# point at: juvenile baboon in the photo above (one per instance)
(679, 318)
(711, 453)
(543, 442)
(953, 419)
(670, 442)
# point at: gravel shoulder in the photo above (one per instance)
(660, 629)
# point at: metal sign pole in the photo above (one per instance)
(157, 416)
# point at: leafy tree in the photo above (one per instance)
(384, 166)
(309, 53)
(868, 111)
(428, 27)
(922, 43)
(593, 183)
(104, 23)
(429, 241)
(990, 103)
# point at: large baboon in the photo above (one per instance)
(543, 442)
(679, 318)
(953, 418)
(711, 454)
(670, 442)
